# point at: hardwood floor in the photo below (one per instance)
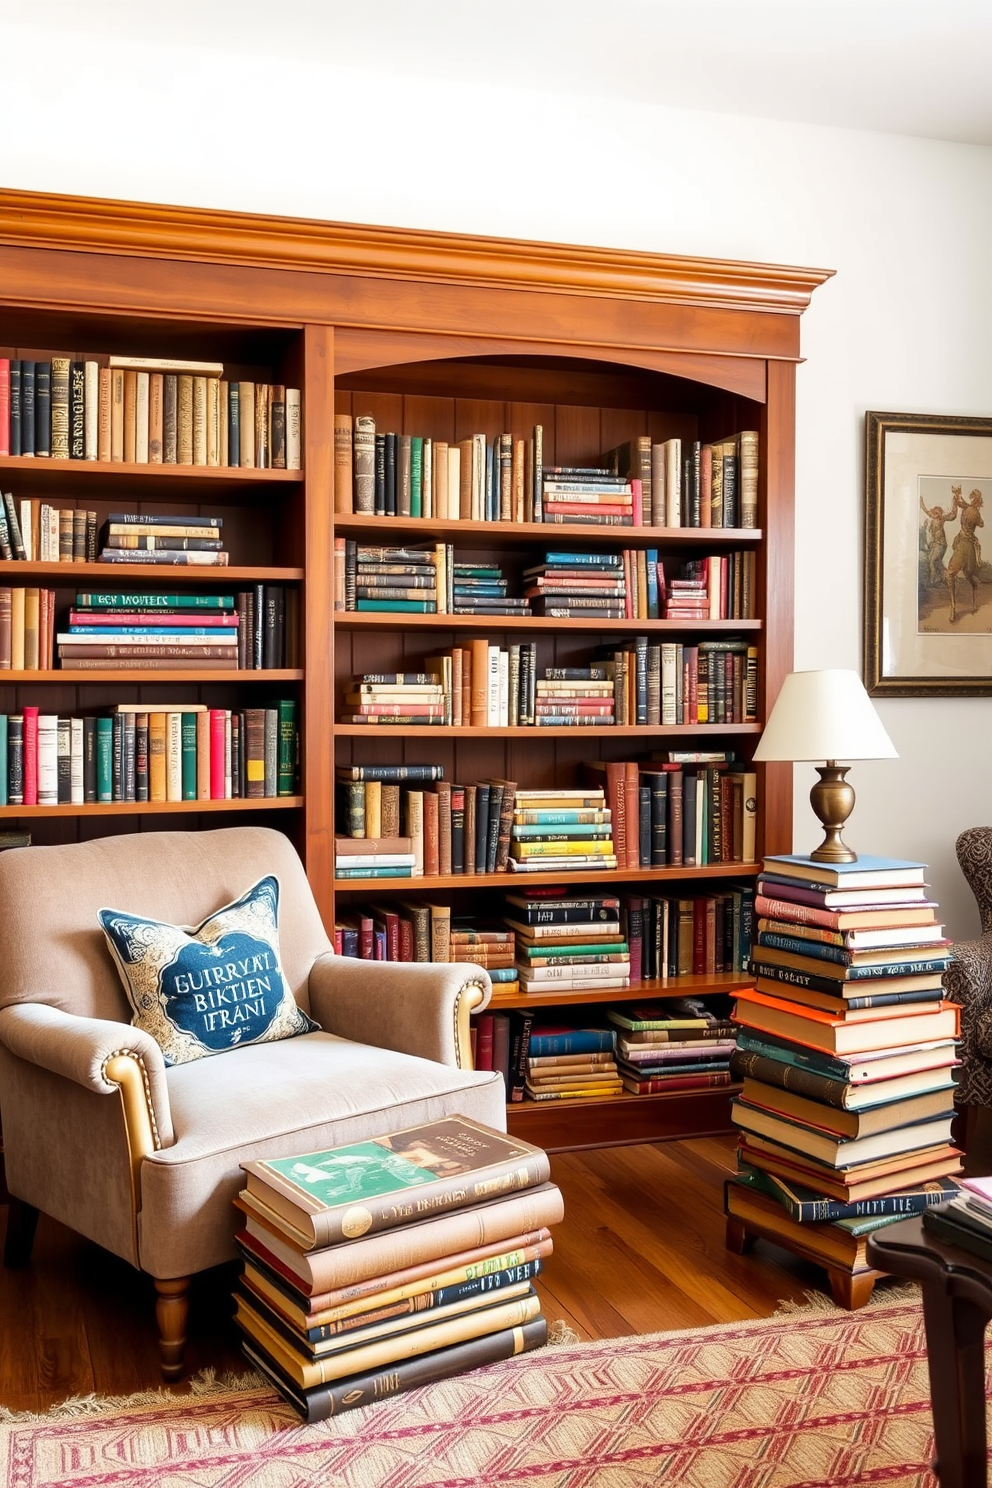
(640, 1250)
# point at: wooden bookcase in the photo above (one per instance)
(435, 334)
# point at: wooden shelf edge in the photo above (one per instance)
(119, 470)
(153, 808)
(623, 1120)
(140, 678)
(559, 731)
(695, 984)
(601, 876)
(128, 574)
(427, 527)
(389, 620)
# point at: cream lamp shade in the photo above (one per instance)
(826, 715)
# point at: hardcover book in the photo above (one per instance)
(350, 1191)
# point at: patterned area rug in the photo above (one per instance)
(790, 1402)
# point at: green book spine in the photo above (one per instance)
(288, 746)
(104, 759)
(3, 759)
(143, 601)
(188, 756)
(416, 475)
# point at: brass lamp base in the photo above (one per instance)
(832, 799)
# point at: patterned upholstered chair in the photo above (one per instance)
(968, 979)
(144, 1157)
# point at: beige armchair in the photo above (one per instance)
(143, 1158)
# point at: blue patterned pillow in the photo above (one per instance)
(212, 988)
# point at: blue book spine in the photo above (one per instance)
(571, 1041)
(652, 567)
(3, 759)
(104, 759)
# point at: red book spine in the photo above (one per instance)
(636, 491)
(218, 745)
(30, 756)
(4, 405)
(632, 815)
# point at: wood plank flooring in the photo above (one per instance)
(640, 1250)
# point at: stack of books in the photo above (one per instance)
(578, 585)
(481, 589)
(373, 857)
(846, 1046)
(131, 631)
(485, 944)
(591, 494)
(129, 537)
(395, 698)
(568, 943)
(346, 1298)
(564, 1062)
(400, 579)
(964, 1217)
(673, 1043)
(541, 841)
(580, 696)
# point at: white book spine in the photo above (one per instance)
(294, 429)
(173, 756)
(271, 751)
(454, 480)
(673, 481)
(504, 689)
(48, 759)
(76, 761)
(228, 775)
(141, 419)
(27, 530)
(492, 694)
(91, 410)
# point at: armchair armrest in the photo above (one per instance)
(968, 982)
(417, 1008)
(103, 1056)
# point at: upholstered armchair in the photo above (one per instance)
(143, 1157)
(968, 979)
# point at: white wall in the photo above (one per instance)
(903, 326)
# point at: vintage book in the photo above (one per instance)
(835, 1035)
(845, 1095)
(320, 1402)
(344, 1192)
(166, 364)
(862, 1142)
(867, 1181)
(60, 408)
(505, 1218)
(866, 872)
(343, 442)
(77, 408)
(806, 1206)
(294, 429)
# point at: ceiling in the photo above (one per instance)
(901, 66)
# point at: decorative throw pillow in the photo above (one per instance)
(205, 990)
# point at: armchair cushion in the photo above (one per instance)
(212, 988)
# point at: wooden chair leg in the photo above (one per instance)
(171, 1312)
(22, 1221)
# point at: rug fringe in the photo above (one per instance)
(815, 1301)
(559, 1332)
(207, 1382)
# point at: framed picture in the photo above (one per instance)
(928, 555)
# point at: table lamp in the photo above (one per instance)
(826, 715)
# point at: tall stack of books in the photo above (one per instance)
(481, 589)
(846, 1046)
(547, 836)
(577, 585)
(590, 494)
(121, 632)
(568, 943)
(346, 1298)
(129, 537)
(673, 1043)
(575, 695)
(395, 698)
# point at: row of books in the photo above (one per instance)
(146, 411)
(27, 629)
(641, 482)
(846, 1048)
(632, 584)
(634, 683)
(439, 1280)
(141, 752)
(35, 531)
(635, 815)
(253, 630)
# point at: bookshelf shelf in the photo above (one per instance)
(684, 986)
(610, 879)
(381, 620)
(568, 1125)
(530, 731)
(448, 336)
(152, 808)
(529, 534)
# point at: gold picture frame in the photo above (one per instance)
(928, 582)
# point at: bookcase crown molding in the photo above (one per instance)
(89, 224)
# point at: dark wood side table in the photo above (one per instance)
(957, 1305)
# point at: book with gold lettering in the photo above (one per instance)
(346, 1192)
